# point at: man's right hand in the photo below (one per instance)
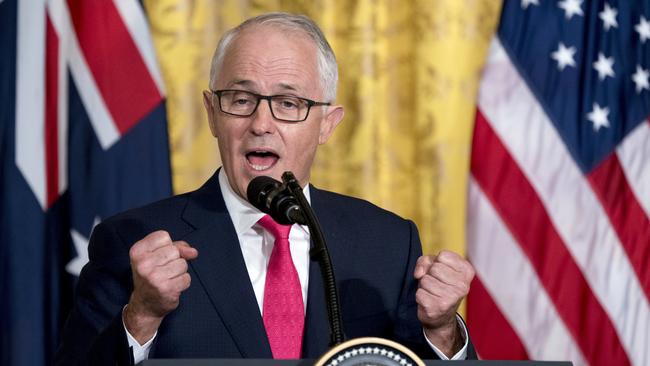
(159, 268)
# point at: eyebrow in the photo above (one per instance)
(288, 87)
(241, 83)
(251, 84)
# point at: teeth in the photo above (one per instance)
(260, 167)
(261, 153)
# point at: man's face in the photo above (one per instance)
(268, 61)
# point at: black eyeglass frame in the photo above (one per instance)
(260, 97)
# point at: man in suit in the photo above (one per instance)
(206, 275)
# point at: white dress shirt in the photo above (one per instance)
(252, 237)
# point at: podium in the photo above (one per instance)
(366, 351)
(308, 362)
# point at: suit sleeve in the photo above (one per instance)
(93, 333)
(408, 329)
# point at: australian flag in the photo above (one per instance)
(83, 135)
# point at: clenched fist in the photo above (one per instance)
(159, 267)
(443, 282)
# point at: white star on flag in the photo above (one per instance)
(571, 8)
(598, 116)
(81, 246)
(608, 16)
(604, 66)
(526, 3)
(640, 79)
(643, 28)
(564, 56)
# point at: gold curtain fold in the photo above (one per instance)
(409, 73)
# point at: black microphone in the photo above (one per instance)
(286, 204)
(272, 197)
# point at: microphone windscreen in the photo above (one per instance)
(258, 191)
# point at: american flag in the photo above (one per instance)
(83, 135)
(559, 194)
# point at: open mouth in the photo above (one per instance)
(261, 160)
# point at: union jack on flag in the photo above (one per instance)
(83, 135)
(559, 195)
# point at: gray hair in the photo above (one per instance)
(327, 65)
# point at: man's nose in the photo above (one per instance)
(262, 120)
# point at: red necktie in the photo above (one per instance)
(283, 311)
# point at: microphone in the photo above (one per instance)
(272, 197)
(286, 204)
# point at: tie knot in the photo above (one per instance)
(278, 231)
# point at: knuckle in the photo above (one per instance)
(170, 253)
(141, 268)
(435, 270)
(133, 251)
(420, 296)
(138, 249)
(178, 265)
(462, 289)
(424, 261)
(187, 280)
(181, 243)
(423, 281)
(427, 281)
(177, 253)
(157, 279)
(429, 260)
(164, 255)
(471, 272)
(181, 283)
(447, 254)
(159, 236)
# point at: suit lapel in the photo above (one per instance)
(221, 269)
(317, 330)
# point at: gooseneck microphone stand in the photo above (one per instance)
(320, 254)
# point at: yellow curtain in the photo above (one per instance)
(409, 73)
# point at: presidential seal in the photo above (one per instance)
(369, 351)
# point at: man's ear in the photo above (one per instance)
(207, 103)
(332, 119)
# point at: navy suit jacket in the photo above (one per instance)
(373, 252)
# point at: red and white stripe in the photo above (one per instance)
(108, 50)
(633, 155)
(30, 98)
(543, 333)
(581, 243)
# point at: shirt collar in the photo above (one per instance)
(242, 213)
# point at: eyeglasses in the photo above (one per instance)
(285, 108)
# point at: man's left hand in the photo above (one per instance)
(443, 282)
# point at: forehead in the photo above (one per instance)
(268, 58)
